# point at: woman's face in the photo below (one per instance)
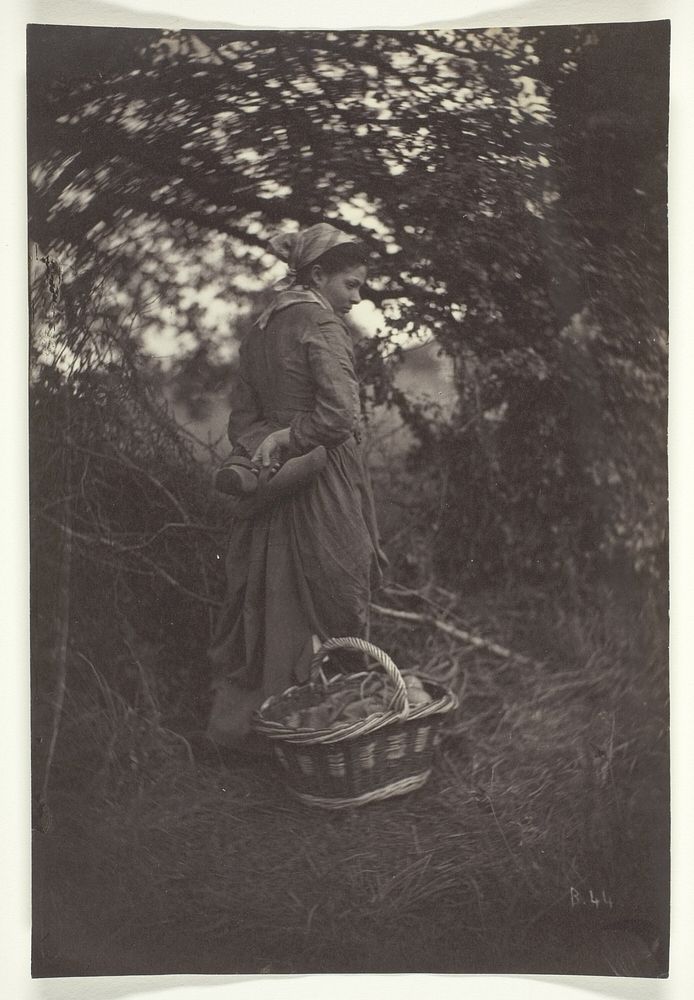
(342, 288)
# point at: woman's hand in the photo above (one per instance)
(269, 450)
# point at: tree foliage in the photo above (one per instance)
(510, 185)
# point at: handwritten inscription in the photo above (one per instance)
(589, 897)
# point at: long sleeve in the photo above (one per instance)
(247, 427)
(336, 410)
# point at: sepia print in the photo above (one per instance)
(349, 576)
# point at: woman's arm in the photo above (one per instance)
(247, 427)
(336, 410)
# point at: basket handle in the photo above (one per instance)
(399, 702)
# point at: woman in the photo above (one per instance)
(299, 570)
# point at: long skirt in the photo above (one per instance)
(297, 573)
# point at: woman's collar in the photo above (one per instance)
(291, 297)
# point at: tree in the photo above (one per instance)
(172, 157)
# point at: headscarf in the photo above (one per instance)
(302, 248)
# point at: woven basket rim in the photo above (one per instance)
(275, 730)
(400, 786)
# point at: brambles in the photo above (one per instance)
(524, 519)
(544, 789)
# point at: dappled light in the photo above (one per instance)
(509, 186)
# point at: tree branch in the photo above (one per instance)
(468, 637)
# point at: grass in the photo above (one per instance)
(549, 796)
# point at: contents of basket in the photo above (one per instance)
(344, 706)
(355, 738)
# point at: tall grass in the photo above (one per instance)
(540, 831)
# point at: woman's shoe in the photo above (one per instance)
(270, 484)
(237, 477)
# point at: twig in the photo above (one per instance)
(211, 448)
(468, 637)
(97, 540)
(179, 586)
(397, 590)
(124, 460)
(60, 648)
(144, 680)
(166, 527)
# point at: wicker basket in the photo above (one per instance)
(387, 753)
